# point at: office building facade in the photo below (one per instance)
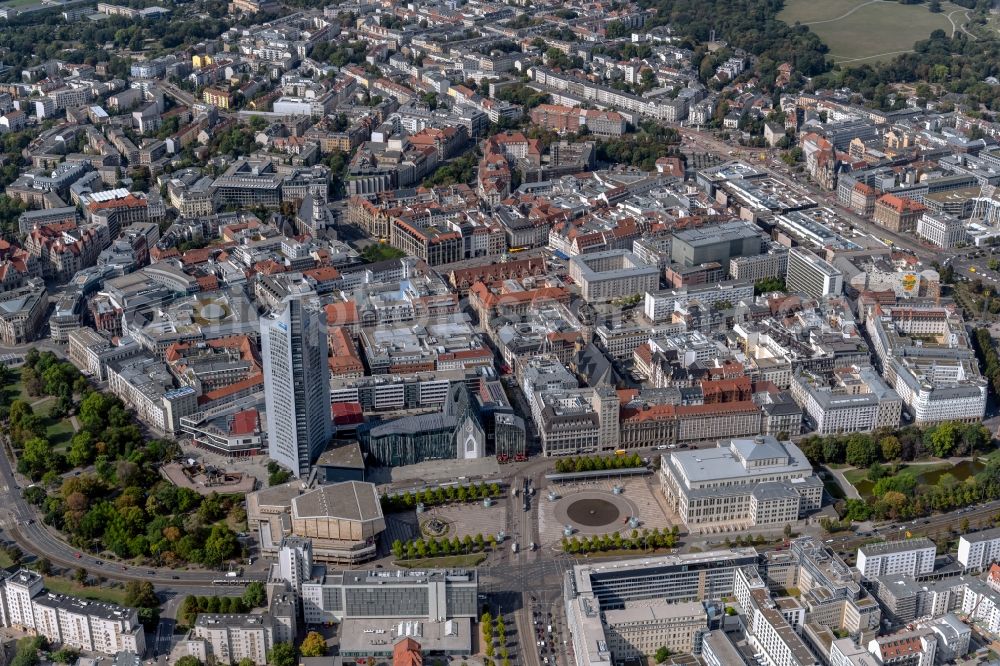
(296, 384)
(810, 274)
(619, 610)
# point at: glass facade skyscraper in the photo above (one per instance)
(296, 384)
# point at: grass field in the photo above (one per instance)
(855, 475)
(60, 585)
(18, 3)
(866, 31)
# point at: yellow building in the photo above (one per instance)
(200, 60)
(220, 98)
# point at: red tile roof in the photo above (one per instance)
(244, 422)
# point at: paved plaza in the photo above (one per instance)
(462, 519)
(594, 508)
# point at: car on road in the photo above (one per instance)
(77, 555)
(175, 577)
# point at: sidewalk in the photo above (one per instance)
(850, 492)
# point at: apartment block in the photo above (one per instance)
(976, 552)
(229, 639)
(772, 264)
(612, 274)
(69, 621)
(926, 356)
(912, 557)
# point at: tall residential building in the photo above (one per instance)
(232, 638)
(812, 275)
(977, 552)
(296, 384)
(911, 557)
(93, 626)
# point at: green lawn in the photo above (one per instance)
(855, 475)
(381, 252)
(873, 31)
(5, 561)
(808, 11)
(449, 561)
(62, 585)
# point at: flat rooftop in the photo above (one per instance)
(890, 547)
(350, 500)
(366, 636)
(582, 573)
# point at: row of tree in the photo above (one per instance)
(647, 539)
(494, 631)
(471, 492)
(596, 463)
(860, 449)
(435, 547)
(989, 361)
(254, 596)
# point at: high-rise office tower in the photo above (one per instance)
(296, 384)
